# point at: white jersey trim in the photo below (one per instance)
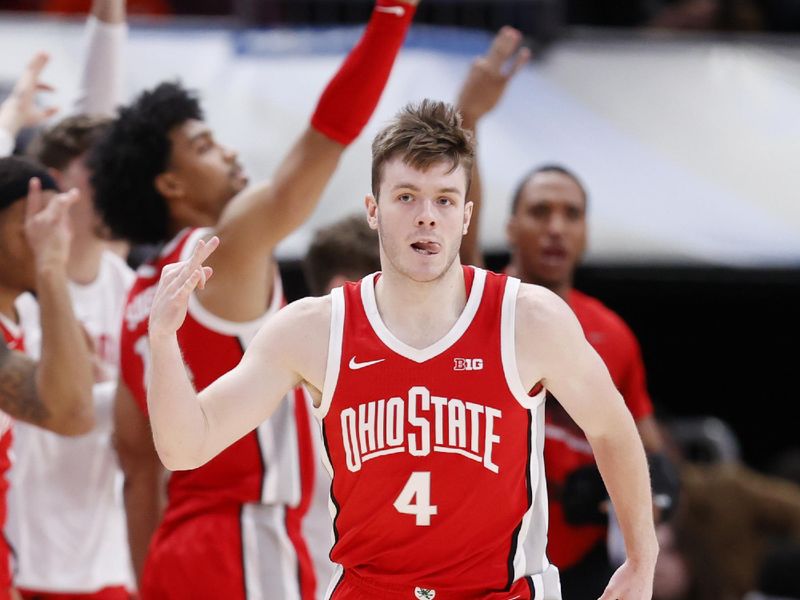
(335, 338)
(508, 351)
(451, 337)
(244, 330)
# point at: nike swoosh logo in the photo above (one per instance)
(392, 10)
(360, 365)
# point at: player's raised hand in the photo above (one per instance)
(490, 74)
(47, 226)
(631, 582)
(20, 109)
(178, 281)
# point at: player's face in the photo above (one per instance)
(421, 217)
(17, 266)
(548, 230)
(202, 175)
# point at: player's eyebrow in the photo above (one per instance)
(414, 188)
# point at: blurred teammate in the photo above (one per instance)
(547, 234)
(66, 519)
(233, 527)
(421, 380)
(54, 393)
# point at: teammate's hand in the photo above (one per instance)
(47, 226)
(489, 74)
(411, 2)
(20, 109)
(178, 281)
(631, 582)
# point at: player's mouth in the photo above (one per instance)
(554, 254)
(238, 175)
(426, 247)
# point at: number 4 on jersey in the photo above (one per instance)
(415, 499)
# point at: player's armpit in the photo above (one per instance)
(18, 395)
(289, 349)
(144, 475)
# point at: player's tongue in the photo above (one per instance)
(426, 247)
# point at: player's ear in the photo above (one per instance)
(468, 206)
(168, 185)
(371, 204)
(512, 231)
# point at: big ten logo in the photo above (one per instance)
(467, 364)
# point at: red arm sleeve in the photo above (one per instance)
(352, 95)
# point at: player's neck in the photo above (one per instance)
(85, 256)
(421, 313)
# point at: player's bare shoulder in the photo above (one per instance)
(544, 323)
(297, 336)
(540, 309)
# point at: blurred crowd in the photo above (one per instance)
(697, 15)
(725, 531)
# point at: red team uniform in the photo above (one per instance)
(231, 528)
(566, 448)
(12, 336)
(436, 455)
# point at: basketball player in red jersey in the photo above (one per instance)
(429, 380)
(54, 393)
(547, 234)
(232, 528)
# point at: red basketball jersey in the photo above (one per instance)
(12, 336)
(436, 454)
(264, 466)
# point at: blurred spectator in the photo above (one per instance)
(787, 465)
(729, 519)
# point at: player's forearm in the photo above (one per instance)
(622, 463)
(10, 124)
(64, 375)
(102, 82)
(141, 493)
(177, 418)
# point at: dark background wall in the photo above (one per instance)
(715, 341)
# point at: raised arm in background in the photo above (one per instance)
(56, 392)
(483, 88)
(20, 109)
(102, 82)
(262, 215)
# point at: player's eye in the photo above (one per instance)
(405, 197)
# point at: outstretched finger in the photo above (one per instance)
(33, 204)
(520, 60)
(63, 202)
(38, 63)
(190, 283)
(207, 273)
(32, 71)
(202, 251)
(503, 46)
